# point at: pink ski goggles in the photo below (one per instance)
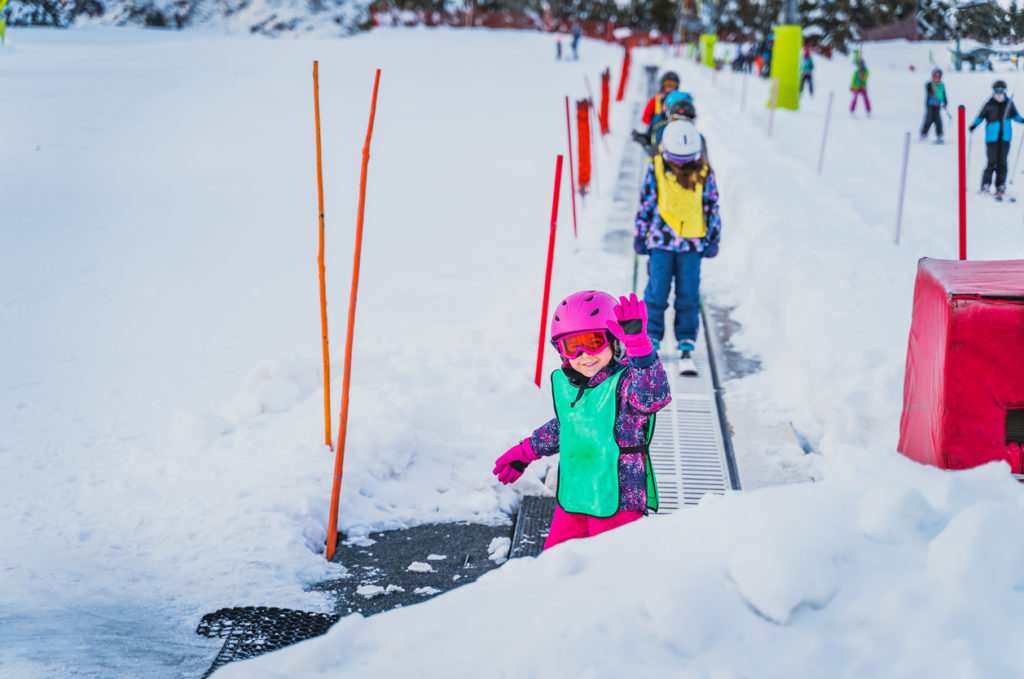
(592, 342)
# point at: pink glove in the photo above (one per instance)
(510, 466)
(630, 326)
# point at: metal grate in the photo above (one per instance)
(254, 630)
(687, 451)
(532, 525)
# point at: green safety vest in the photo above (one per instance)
(588, 464)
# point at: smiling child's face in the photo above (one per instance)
(588, 365)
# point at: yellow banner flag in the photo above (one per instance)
(3, 22)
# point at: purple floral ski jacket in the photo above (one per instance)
(643, 391)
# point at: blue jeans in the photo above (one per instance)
(684, 267)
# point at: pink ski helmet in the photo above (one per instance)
(581, 311)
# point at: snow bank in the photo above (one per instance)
(775, 583)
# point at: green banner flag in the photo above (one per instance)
(3, 22)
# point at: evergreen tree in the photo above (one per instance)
(933, 20)
(38, 13)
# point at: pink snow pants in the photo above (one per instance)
(568, 526)
(867, 102)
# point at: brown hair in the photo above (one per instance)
(687, 175)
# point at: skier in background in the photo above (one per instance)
(577, 32)
(658, 122)
(997, 113)
(558, 49)
(677, 224)
(606, 393)
(935, 99)
(859, 86)
(656, 104)
(807, 71)
(766, 56)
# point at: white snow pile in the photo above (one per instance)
(919, 576)
(164, 448)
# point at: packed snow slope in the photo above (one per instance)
(163, 450)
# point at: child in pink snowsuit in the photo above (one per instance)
(606, 393)
(859, 87)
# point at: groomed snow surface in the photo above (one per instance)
(163, 450)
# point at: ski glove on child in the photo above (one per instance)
(630, 326)
(510, 466)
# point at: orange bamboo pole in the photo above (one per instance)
(339, 455)
(320, 264)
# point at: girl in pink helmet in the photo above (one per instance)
(606, 393)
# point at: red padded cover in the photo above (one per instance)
(965, 363)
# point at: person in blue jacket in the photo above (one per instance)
(997, 113)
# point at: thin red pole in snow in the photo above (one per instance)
(824, 135)
(339, 455)
(596, 116)
(961, 122)
(547, 273)
(320, 263)
(903, 187)
(572, 180)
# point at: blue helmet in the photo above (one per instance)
(673, 97)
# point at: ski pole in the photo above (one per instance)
(970, 140)
(1017, 159)
(636, 266)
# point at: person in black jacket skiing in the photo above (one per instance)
(997, 113)
(935, 100)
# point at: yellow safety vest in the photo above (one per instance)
(681, 209)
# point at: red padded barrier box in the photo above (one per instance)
(963, 391)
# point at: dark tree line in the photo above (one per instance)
(831, 23)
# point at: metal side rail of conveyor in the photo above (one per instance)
(691, 450)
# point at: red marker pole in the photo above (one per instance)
(547, 273)
(961, 122)
(572, 180)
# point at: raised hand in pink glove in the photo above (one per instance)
(630, 326)
(510, 466)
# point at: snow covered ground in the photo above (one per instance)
(163, 449)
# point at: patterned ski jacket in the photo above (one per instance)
(859, 82)
(643, 391)
(651, 231)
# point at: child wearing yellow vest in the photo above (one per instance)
(678, 225)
